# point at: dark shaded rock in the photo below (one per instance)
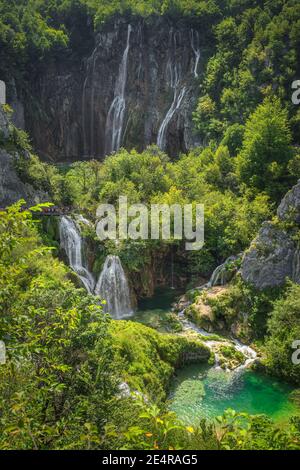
(4, 125)
(269, 260)
(289, 208)
(274, 255)
(11, 187)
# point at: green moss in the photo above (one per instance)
(231, 353)
(148, 358)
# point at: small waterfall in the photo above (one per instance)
(116, 113)
(248, 352)
(113, 287)
(71, 242)
(217, 277)
(161, 138)
(221, 274)
(92, 123)
(173, 72)
(196, 50)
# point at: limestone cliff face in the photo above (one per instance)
(11, 187)
(274, 255)
(136, 86)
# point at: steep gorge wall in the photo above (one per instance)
(136, 86)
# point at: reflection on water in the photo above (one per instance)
(154, 311)
(199, 392)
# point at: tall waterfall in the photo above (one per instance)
(71, 242)
(196, 50)
(92, 110)
(113, 288)
(116, 113)
(173, 70)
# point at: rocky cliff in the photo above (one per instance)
(137, 85)
(11, 187)
(274, 255)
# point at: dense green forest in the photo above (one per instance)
(67, 360)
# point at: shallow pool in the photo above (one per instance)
(201, 392)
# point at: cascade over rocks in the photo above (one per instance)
(274, 255)
(113, 287)
(136, 86)
(71, 243)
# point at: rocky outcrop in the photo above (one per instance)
(11, 187)
(201, 311)
(136, 86)
(274, 255)
(289, 208)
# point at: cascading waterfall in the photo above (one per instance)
(196, 50)
(162, 138)
(219, 276)
(173, 72)
(71, 242)
(92, 124)
(92, 110)
(249, 353)
(116, 113)
(113, 287)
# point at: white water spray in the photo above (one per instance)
(196, 50)
(173, 71)
(71, 242)
(113, 288)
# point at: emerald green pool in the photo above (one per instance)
(201, 392)
(153, 311)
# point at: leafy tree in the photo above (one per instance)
(266, 151)
(59, 368)
(284, 330)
